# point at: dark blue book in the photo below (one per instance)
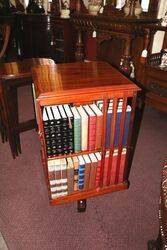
(118, 123)
(81, 172)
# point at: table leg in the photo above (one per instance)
(81, 205)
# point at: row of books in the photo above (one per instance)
(83, 172)
(70, 129)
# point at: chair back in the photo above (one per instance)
(5, 31)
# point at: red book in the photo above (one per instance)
(98, 170)
(122, 165)
(114, 166)
(91, 127)
(105, 169)
(93, 169)
(99, 125)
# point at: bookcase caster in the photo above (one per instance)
(81, 206)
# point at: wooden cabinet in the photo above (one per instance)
(64, 39)
(78, 84)
(47, 36)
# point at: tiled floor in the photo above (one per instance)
(3, 245)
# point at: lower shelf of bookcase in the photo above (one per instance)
(80, 195)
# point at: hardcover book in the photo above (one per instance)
(81, 172)
(77, 129)
(98, 170)
(70, 175)
(84, 128)
(87, 171)
(70, 131)
(99, 125)
(93, 170)
(76, 166)
(64, 188)
(91, 127)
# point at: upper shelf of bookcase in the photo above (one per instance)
(78, 79)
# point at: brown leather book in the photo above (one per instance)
(70, 175)
(93, 169)
(87, 171)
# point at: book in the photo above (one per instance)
(122, 165)
(98, 170)
(46, 126)
(91, 127)
(84, 128)
(64, 188)
(70, 175)
(87, 171)
(93, 170)
(70, 131)
(99, 125)
(76, 166)
(56, 189)
(127, 124)
(64, 130)
(77, 130)
(106, 168)
(56, 135)
(81, 172)
(51, 173)
(114, 167)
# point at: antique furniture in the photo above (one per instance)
(82, 83)
(45, 36)
(161, 242)
(4, 39)
(151, 76)
(119, 39)
(12, 76)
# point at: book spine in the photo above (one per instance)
(75, 163)
(122, 166)
(113, 168)
(77, 135)
(64, 187)
(91, 132)
(126, 130)
(105, 170)
(98, 171)
(56, 189)
(99, 128)
(81, 173)
(70, 176)
(87, 175)
(92, 175)
(109, 120)
(117, 129)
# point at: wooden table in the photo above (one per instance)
(12, 76)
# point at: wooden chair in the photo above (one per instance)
(150, 75)
(161, 242)
(12, 76)
(5, 31)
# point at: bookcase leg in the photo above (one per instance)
(81, 205)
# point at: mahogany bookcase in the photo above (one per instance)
(82, 83)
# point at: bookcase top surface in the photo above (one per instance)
(77, 78)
